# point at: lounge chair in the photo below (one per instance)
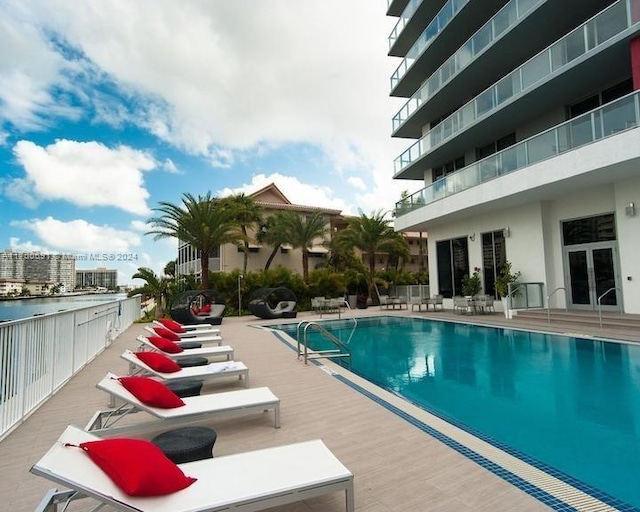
(213, 338)
(209, 371)
(196, 407)
(243, 482)
(192, 330)
(222, 350)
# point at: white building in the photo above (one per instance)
(525, 118)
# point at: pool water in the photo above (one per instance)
(569, 403)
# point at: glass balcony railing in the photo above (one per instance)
(406, 15)
(506, 18)
(442, 19)
(583, 40)
(608, 120)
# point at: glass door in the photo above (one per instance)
(592, 271)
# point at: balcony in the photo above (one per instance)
(412, 22)
(395, 7)
(505, 20)
(607, 121)
(552, 75)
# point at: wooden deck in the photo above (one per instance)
(397, 466)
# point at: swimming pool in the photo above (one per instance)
(569, 403)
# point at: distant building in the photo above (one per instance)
(97, 278)
(39, 267)
(9, 286)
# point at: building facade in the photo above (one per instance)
(97, 278)
(54, 269)
(525, 120)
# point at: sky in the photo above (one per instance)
(107, 108)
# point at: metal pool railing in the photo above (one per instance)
(39, 355)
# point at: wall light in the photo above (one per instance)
(506, 232)
(472, 237)
(630, 209)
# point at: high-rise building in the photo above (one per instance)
(36, 266)
(97, 278)
(525, 118)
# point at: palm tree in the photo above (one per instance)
(397, 250)
(274, 233)
(370, 235)
(202, 222)
(302, 232)
(154, 286)
(248, 214)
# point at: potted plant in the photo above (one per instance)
(506, 276)
(471, 284)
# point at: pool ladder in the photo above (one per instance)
(340, 352)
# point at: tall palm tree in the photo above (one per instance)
(397, 250)
(370, 234)
(202, 222)
(274, 233)
(154, 286)
(248, 214)
(303, 231)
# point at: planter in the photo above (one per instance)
(508, 313)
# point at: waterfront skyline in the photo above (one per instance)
(107, 108)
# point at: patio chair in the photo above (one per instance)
(188, 331)
(242, 482)
(209, 371)
(385, 301)
(461, 305)
(222, 350)
(212, 338)
(195, 408)
(435, 301)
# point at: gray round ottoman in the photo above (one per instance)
(187, 444)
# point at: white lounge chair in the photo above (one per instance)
(193, 330)
(222, 350)
(209, 371)
(196, 407)
(211, 338)
(242, 482)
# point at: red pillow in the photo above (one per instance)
(165, 345)
(206, 308)
(151, 392)
(166, 333)
(172, 325)
(137, 466)
(159, 362)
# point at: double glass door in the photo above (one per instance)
(592, 272)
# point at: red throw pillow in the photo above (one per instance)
(206, 308)
(172, 325)
(137, 466)
(166, 333)
(151, 392)
(165, 345)
(159, 362)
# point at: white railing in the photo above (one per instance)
(39, 355)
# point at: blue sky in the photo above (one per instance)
(108, 107)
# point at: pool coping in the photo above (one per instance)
(553, 488)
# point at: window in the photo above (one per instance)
(495, 146)
(442, 170)
(494, 255)
(453, 264)
(589, 230)
(601, 98)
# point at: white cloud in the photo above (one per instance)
(79, 236)
(29, 71)
(139, 225)
(84, 173)
(356, 183)
(17, 246)
(296, 191)
(230, 75)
